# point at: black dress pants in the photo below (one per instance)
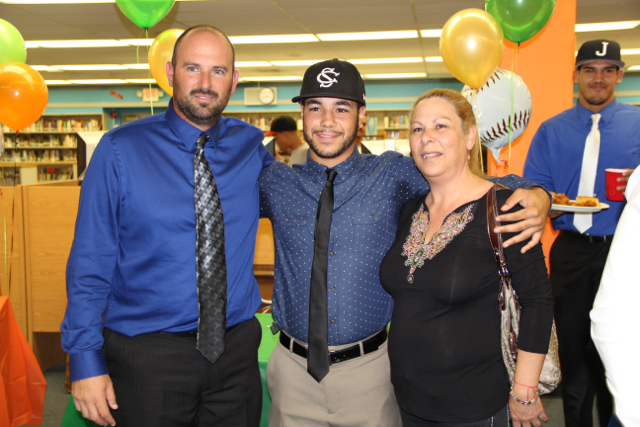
(162, 380)
(576, 270)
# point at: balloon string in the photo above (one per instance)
(514, 60)
(474, 101)
(149, 74)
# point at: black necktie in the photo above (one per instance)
(318, 362)
(211, 269)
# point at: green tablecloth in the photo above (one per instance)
(73, 418)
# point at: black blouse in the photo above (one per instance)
(444, 341)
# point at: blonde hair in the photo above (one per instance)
(465, 112)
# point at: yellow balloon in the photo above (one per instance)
(159, 54)
(471, 46)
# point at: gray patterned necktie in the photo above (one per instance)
(211, 270)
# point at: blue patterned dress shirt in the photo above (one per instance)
(369, 193)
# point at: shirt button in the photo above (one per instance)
(332, 288)
(288, 220)
(333, 320)
(332, 253)
(373, 217)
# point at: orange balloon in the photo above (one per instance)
(159, 54)
(471, 46)
(23, 95)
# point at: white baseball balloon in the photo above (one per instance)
(492, 108)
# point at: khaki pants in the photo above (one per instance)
(354, 393)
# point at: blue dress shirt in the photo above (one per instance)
(132, 266)
(369, 193)
(555, 157)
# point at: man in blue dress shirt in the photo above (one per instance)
(132, 267)
(369, 192)
(563, 153)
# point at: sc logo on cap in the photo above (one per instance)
(325, 80)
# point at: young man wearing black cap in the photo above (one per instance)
(334, 217)
(569, 154)
(285, 131)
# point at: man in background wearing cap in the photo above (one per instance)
(569, 154)
(285, 131)
(329, 245)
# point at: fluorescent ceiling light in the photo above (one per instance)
(270, 78)
(630, 51)
(98, 81)
(90, 67)
(431, 33)
(373, 35)
(141, 80)
(44, 68)
(606, 26)
(57, 82)
(433, 58)
(634, 68)
(144, 66)
(385, 60)
(62, 1)
(288, 38)
(55, 1)
(74, 43)
(240, 64)
(302, 62)
(137, 42)
(396, 76)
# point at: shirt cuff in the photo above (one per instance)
(86, 365)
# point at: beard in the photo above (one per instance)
(597, 99)
(200, 113)
(346, 143)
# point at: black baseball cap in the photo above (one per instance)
(332, 79)
(599, 50)
(282, 124)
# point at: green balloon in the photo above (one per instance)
(145, 13)
(520, 19)
(12, 47)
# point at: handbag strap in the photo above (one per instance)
(498, 252)
(495, 238)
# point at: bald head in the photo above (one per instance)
(198, 28)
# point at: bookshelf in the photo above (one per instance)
(387, 124)
(48, 150)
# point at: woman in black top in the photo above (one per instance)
(444, 342)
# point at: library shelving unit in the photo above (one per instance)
(386, 124)
(49, 150)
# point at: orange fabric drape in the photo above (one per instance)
(22, 385)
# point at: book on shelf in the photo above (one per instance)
(60, 125)
(55, 174)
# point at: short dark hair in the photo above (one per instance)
(209, 28)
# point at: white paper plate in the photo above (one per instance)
(580, 209)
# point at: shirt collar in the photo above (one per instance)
(186, 132)
(344, 169)
(606, 113)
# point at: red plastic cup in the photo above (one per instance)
(612, 183)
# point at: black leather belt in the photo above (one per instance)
(368, 346)
(586, 237)
(186, 334)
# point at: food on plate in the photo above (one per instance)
(562, 199)
(586, 201)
